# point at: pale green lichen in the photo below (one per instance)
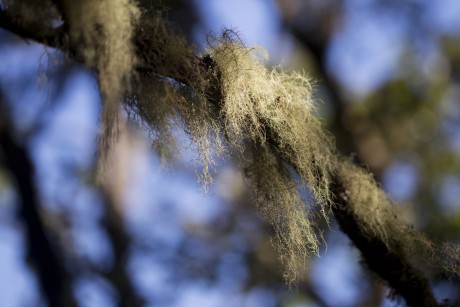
(278, 199)
(381, 220)
(252, 99)
(270, 108)
(175, 95)
(242, 108)
(103, 31)
(260, 104)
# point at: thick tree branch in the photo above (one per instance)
(397, 271)
(408, 281)
(393, 268)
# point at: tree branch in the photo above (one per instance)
(51, 37)
(406, 280)
(390, 266)
(397, 271)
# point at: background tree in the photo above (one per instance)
(405, 125)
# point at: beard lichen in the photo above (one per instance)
(266, 112)
(267, 109)
(381, 220)
(103, 31)
(252, 99)
(277, 198)
(175, 95)
(271, 106)
(162, 105)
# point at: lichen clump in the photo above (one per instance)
(274, 112)
(264, 112)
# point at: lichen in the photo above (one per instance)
(230, 105)
(103, 31)
(278, 199)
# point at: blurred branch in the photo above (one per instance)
(53, 277)
(395, 269)
(120, 242)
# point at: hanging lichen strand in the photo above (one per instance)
(265, 108)
(104, 31)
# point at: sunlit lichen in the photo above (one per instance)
(230, 104)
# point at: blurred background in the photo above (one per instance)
(387, 84)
